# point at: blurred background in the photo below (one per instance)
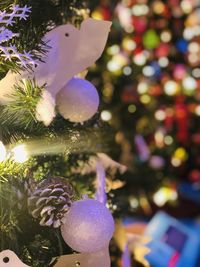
(149, 78)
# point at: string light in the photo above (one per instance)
(168, 140)
(117, 63)
(193, 47)
(145, 99)
(166, 36)
(142, 88)
(20, 154)
(159, 138)
(148, 71)
(2, 152)
(158, 7)
(140, 10)
(189, 83)
(163, 62)
(163, 195)
(106, 115)
(140, 59)
(134, 203)
(160, 115)
(196, 72)
(128, 44)
(132, 108)
(197, 110)
(186, 6)
(113, 50)
(176, 162)
(171, 88)
(127, 70)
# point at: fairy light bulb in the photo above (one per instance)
(20, 154)
(189, 83)
(113, 50)
(132, 108)
(186, 6)
(140, 10)
(166, 36)
(140, 59)
(2, 152)
(160, 115)
(142, 88)
(163, 62)
(106, 115)
(163, 195)
(197, 110)
(171, 88)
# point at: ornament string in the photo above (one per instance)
(126, 257)
(101, 183)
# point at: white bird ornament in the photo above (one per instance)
(9, 259)
(99, 259)
(71, 51)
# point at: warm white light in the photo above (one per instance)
(186, 6)
(159, 138)
(127, 70)
(140, 59)
(193, 58)
(159, 198)
(170, 88)
(193, 47)
(163, 195)
(166, 36)
(142, 88)
(134, 203)
(113, 50)
(113, 66)
(196, 30)
(160, 115)
(2, 152)
(140, 10)
(168, 140)
(20, 154)
(129, 44)
(176, 162)
(197, 110)
(196, 72)
(106, 115)
(117, 63)
(148, 71)
(132, 108)
(189, 83)
(145, 99)
(188, 33)
(163, 62)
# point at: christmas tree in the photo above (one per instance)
(55, 173)
(52, 150)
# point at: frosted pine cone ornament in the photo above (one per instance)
(50, 201)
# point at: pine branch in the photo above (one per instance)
(20, 110)
(10, 170)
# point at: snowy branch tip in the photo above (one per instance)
(16, 12)
(10, 52)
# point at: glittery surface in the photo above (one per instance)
(88, 226)
(78, 101)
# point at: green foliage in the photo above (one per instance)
(60, 149)
(10, 170)
(45, 15)
(20, 110)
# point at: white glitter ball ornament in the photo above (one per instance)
(78, 101)
(88, 226)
